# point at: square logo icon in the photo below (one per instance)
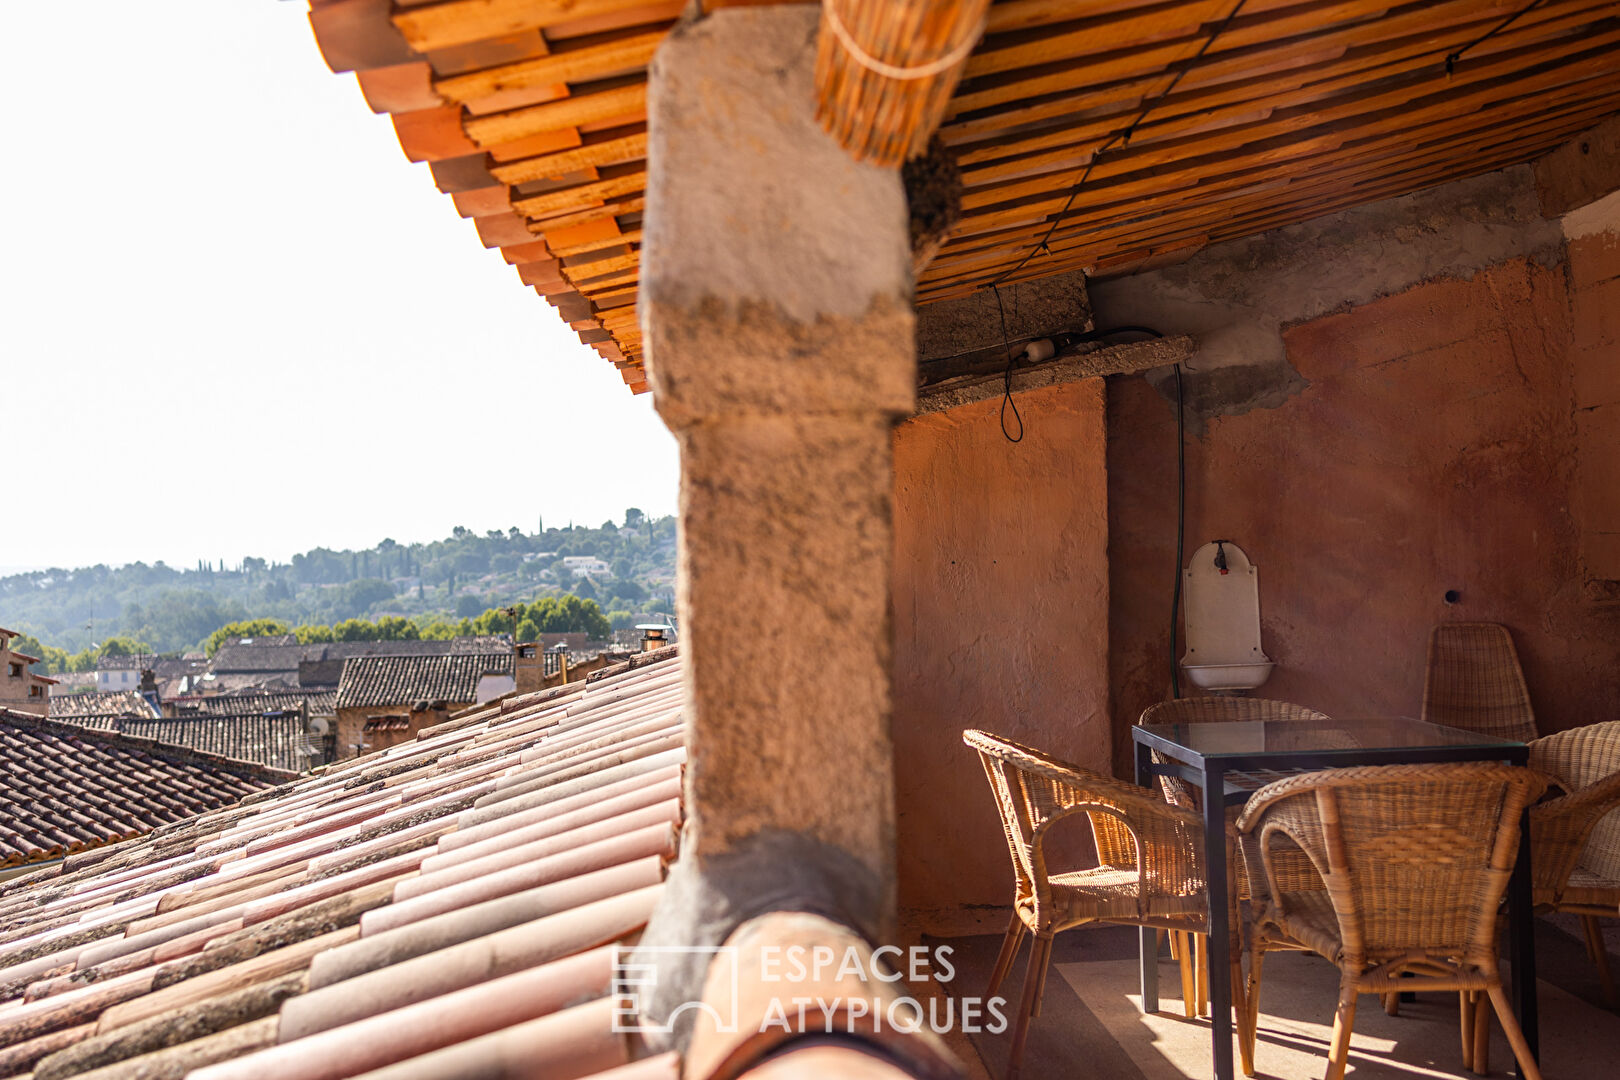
(635, 979)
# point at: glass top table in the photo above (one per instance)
(1251, 753)
(1235, 757)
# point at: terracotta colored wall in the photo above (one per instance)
(1000, 621)
(1594, 278)
(1433, 449)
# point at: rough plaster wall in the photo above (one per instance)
(1594, 278)
(1431, 448)
(1238, 298)
(1000, 618)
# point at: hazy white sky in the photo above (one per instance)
(234, 320)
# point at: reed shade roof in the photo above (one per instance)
(532, 114)
(885, 71)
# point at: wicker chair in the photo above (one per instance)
(1575, 844)
(1575, 838)
(1474, 682)
(1415, 858)
(1180, 793)
(1149, 873)
(1204, 710)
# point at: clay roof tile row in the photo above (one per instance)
(442, 908)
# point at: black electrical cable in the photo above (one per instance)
(1006, 377)
(1110, 331)
(1181, 530)
(1453, 57)
(1121, 137)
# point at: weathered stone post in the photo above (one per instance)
(775, 307)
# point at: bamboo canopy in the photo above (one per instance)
(885, 70)
(1095, 135)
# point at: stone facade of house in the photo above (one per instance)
(21, 690)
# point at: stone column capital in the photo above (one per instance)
(776, 270)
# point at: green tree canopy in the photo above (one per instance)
(124, 646)
(51, 659)
(244, 628)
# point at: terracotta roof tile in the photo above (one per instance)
(438, 909)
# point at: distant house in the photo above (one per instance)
(21, 689)
(584, 565)
(121, 672)
(382, 700)
(267, 661)
(282, 663)
(178, 677)
(64, 789)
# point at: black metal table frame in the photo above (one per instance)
(1209, 773)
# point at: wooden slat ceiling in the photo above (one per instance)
(532, 114)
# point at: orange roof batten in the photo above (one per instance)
(1094, 137)
(532, 116)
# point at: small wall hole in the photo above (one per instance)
(1452, 596)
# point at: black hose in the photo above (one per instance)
(1181, 530)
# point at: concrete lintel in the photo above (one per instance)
(1033, 309)
(1581, 171)
(1113, 360)
(750, 201)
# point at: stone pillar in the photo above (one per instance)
(775, 307)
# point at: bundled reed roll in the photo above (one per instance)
(885, 70)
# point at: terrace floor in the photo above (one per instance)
(1091, 1025)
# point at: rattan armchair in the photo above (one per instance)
(1415, 859)
(1150, 868)
(1575, 848)
(1575, 838)
(1473, 681)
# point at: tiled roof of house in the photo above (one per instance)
(276, 739)
(255, 700)
(402, 680)
(237, 658)
(449, 902)
(285, 654)
(74, 708)
(64, 789)
(247, 681)
(175, 667)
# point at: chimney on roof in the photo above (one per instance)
(652, 637)
(149, 691)
(528, 666)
